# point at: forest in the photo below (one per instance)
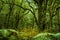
(29, 19)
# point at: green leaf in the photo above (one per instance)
(4, 32)
(57, 35)
(44, 36)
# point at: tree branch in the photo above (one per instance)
(33, 12)
(23, 8)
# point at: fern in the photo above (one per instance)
(44, 36)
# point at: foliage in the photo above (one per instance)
(47, 36)
(12, 34)
(44, 36)
(9, 34)
(57, 36)
(23, 19)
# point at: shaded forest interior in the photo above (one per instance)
(27, 18)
